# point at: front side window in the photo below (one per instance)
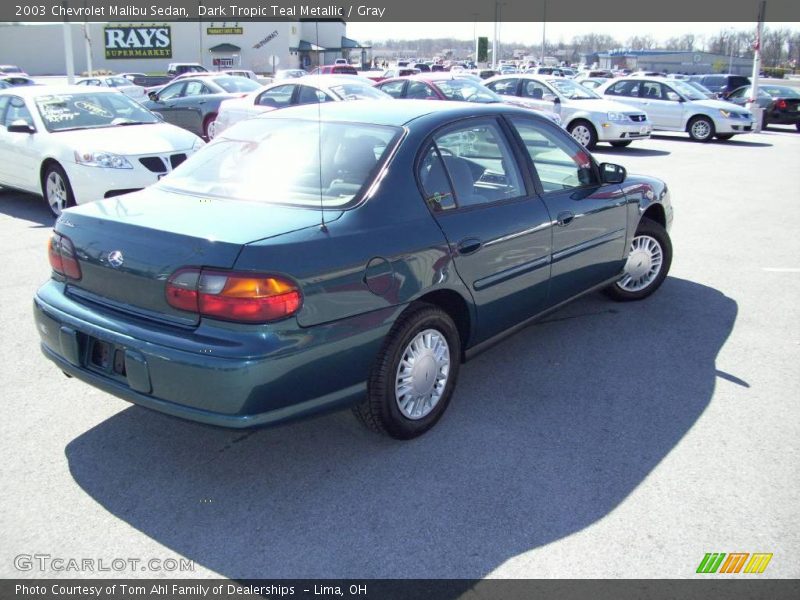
(534, 89)
(287, 161)
(419, 90)
(653, 91)
(560, 163)
(505, 87)
(393, 88)
(480, 164)
(466, 90)
(309, 95)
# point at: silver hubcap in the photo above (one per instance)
(422, 374)
(701, 130)
(582, 134)
(56, 192)
(643, 265)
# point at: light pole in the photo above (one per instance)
(730, 60)
(544, 27)
(475, 36)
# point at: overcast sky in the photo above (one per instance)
(531, 33)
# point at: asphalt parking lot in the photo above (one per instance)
(610, 440)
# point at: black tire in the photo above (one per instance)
(591, 137)
(649, 229)
(701, 129)
(797, 126)
(724, 136)
(207, 124)
(64, 197)
(381, 411)
(621, 143)
(764, 121)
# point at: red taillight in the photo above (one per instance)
(781, 104)
(61, 253)
(243, 297)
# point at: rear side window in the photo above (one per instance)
(345, 70)
(560, 164)
(435, 182)
(278, 97)
(309, 95)
(419, 90)
(479, 163)
(624, 88)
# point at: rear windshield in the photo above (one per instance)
(287, 161)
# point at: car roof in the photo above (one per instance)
(30, 91)
(394, 113)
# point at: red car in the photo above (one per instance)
(334, 70)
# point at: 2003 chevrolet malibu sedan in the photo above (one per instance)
(349, 253)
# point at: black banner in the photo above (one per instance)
(403, 589)
(396, 10)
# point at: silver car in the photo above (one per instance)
(586, 116)
(676, 106)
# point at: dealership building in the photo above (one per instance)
(672, 61)
(148, 47)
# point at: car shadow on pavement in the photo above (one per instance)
(27, 207)
(735, 140)
(629, 151)
(547, 433)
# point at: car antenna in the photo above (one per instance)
(322, 227)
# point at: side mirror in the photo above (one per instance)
(551, 98)
(21, 126)
(153, 96)
(611, 173)
(674, 97)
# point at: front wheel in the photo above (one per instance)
(649, 259)
(621, 143)
(57, 190)
(415, 373)
(701, 129)
(584, 133)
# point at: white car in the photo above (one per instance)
(73, 144)
(310, 89)
(122, 84)
(674, 105)
(585, 115)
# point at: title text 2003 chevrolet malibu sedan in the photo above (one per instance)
(342, 254)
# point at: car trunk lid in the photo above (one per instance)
(128, 246)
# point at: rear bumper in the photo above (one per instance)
(208, 375)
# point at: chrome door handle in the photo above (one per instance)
(565, 218)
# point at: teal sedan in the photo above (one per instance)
(349, 254)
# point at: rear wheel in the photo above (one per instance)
(724, 136)
(57, 190)
(414, 375)
(649, 259)
(701, 129)
(621, 143)
(207, 133)
(797, 126)
(584, 133)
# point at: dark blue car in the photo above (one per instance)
(342, 254)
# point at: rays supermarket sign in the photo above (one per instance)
(138, 41)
